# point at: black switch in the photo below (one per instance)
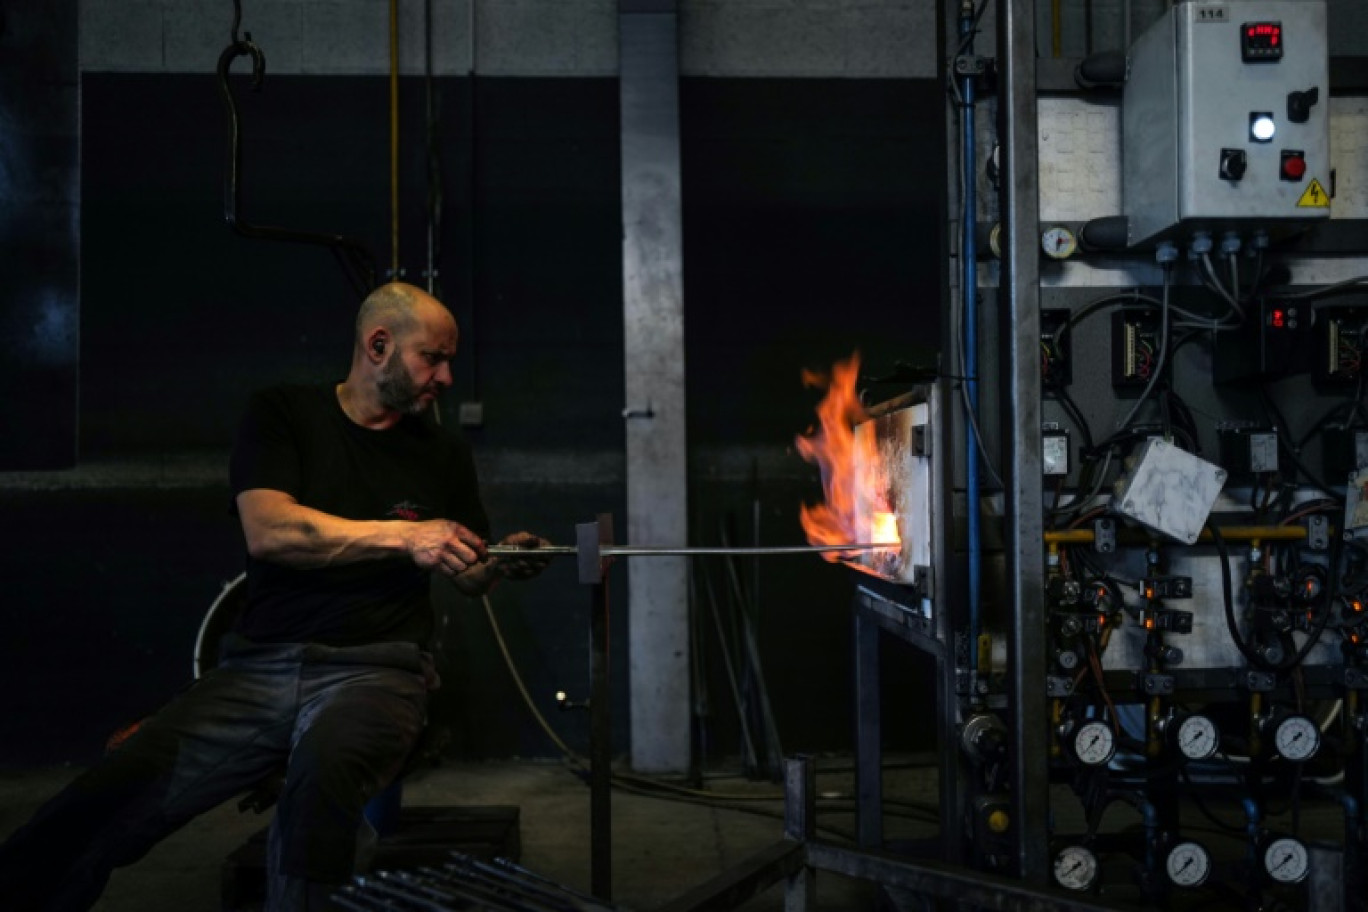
(1299, 104)
(1234, 163)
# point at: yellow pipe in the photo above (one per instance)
(394, 138)
(1230, 533)
(1057, 28)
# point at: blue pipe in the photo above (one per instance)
(1151, 824)
(1254, 818)
(969, 287)
(1351, 820)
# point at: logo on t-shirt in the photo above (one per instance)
(407, 509)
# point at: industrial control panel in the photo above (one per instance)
(1225, 121)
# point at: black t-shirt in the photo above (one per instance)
(297, 439)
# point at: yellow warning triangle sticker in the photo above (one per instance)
(1315, 197)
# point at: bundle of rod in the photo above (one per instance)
(464, 883)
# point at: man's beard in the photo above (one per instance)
(397, 389)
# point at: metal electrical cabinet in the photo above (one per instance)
(1226, 120)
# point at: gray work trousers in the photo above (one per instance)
(341, 721)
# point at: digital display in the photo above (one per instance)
(1261, 41)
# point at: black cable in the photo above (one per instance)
(1180, 409)
(1272, 411)
(1229, 603)
(1133, 300)
(1331, 591)
(1324, 291)
(1066, 402)
(1196, 797)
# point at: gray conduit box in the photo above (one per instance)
(1225, 120)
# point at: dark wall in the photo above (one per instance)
(39, 218)
(810, 230)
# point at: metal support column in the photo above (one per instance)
(591, 538)
(868, 733)
(653, 363)
(1019, 357)
(800, 825)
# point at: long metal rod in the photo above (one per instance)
(1019, 366)
(667, 551)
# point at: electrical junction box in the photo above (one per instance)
(1225, 120)
(1054, 449)
(1356, 505)
(1168, 490)
(1247, 450)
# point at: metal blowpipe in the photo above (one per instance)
(667, 551)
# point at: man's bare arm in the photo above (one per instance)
(281, 530)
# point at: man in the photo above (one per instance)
(350, 498)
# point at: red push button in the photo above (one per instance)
(1293, 167)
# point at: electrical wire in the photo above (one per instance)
(1066, 402)
(1213, 281)
(394, 136)
(1324, 290)
(959, 313)
(1272, 410)
(640, 784)
(1228, 602)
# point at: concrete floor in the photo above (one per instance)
(661, 848)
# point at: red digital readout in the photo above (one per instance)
(1265, 33)
(1278, 318)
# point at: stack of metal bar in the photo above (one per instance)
(464, 883)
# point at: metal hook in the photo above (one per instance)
(355, 260)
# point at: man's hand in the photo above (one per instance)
(444, 547)
(520, 567)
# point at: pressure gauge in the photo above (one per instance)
(1058, 242)
(1187, 865)
(1197, 737)
(1297, 738)
(1094, 743)
(1075, 868)
(1285, 859)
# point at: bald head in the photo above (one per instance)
(405, 340)
(398, 308)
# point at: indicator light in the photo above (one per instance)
(1261, 126)
(1293, 165)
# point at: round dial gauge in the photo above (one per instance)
(1075, 868)
(1285, 859)
(1058, 243)
(1297, 738)
(1197, 737)
(1094, 743)
(1188, 864)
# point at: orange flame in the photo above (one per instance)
(854, 510)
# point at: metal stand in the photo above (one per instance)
(799, 856)
(591, 540)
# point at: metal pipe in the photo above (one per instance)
(394, 137)
(353, 256)
(1231, 533)
(969, 289)
(1019, 366)
(666, 551)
